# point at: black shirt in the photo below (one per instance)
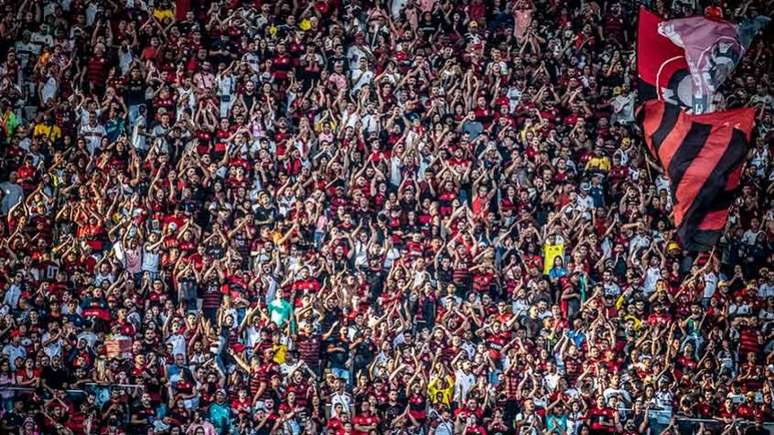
(55, 378)
(391, 412)
(364, 352)
(134, 92)
(265, 214)
(337, 358)
(11, 421)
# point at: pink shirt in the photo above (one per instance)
(426, 5)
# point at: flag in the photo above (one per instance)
(661, 66)
(702, 156)
(712, 47)
(550, 252)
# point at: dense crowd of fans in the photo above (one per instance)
(400, 217)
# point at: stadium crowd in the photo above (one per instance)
(363, 217)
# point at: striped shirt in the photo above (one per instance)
(309, 349)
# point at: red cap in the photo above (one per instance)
(713, 12)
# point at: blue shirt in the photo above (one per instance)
(220, 417)
(557, 272)
(577, 337)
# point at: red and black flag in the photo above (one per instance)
(661, 65)
(703, 156)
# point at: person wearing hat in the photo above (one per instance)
(220, 413)
(14, 350)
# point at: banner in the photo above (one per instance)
(702, 155)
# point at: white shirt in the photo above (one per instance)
(225, 85)
(361, 254)
(91, 13)
(12, 296)
(623, 105)
(253, 61)
(103, 277)
(286, 368)
(125, 59)
(529, 419)
(749, 237)
(49, 90)
(710, 284)
(652, 275)
(360, 78)
(253, 336)
(178, 344)
(41, 39)
(741, 309)
(664, 400)
(637, 242)
(88, 336)
(463, 382)
(766, 290)
(25, 51)
(354, 54)
(662, 183)
(370, 123)
(612, 289)
(12, 352)
(390, 258)
(584, 203)
(349, 119)
(444, 428)
(396, 7)
(469, 348)
(519, 307)
(138, 139)
(272, 288)
(341, 398)
(551, 380)
(12, 195)
(395, 175)
(93, 136)
(54, 348)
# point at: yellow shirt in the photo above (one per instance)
(599, 163)
(525, 130)
(637, 322)
(162, 14)
(550, 252)
(318, 127)
(433, 390)
(53, 132)
(279, 353)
